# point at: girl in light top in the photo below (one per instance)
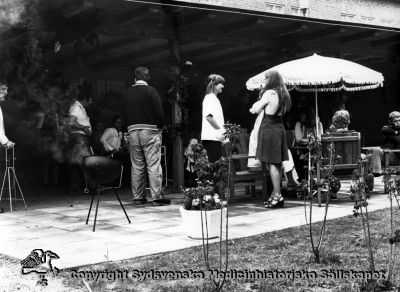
(212, 127)
(272, 146)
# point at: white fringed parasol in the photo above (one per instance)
(320, 74)
(317, 73)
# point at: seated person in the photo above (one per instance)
(340, 121)
(287, 166)
(391, 135)
(115, 147)
(302, 129)
(391, 140)
(112, 137)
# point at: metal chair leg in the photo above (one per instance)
(97, 208)
(122, 206)
(90, 208)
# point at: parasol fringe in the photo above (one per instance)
(334, 89)
(327, 82)
(361, 86)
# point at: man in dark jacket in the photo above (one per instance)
(143, 116)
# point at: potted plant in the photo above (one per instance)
(204, 204)
(203, 211)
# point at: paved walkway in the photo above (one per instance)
(58, 224)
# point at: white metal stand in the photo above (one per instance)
(13, 184)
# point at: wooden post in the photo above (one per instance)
(177, 156)
(318, 137)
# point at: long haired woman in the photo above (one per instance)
(212, 127)
(272, 146)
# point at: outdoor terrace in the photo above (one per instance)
(56, 222)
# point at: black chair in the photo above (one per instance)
(101, 170)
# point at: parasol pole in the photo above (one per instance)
(318, 140)
(316, 112)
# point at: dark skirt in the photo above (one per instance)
(214, 150)
(272, 145)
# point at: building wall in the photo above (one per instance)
(374, 12)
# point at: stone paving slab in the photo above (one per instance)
(153, 230)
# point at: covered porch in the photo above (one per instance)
(102, 41)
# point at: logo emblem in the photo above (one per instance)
(39, 262)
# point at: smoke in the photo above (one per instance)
(11, 12)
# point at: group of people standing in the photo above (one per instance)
(142, 117)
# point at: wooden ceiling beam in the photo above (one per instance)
(136, 54)
(139, 55)
(362, 58)
(195, 18)
(285, 30)
(385, 41)
(241, 62)
(374, 60)
(244, 53)
(131, 15)
(321, 33)
(150, 60)
(213, 37)
(203, 51)
(187, 37)
(358, 36)
(99, 50)
(239, 25)
(74, 7)
(253, 68)
(237, 54)
(351, 56)
(325, 48)
(140, 32)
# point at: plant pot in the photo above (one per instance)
(191, 220)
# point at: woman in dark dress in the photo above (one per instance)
(272, 145)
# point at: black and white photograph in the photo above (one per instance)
(200, 145)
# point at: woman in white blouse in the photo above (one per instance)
(212, 127)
